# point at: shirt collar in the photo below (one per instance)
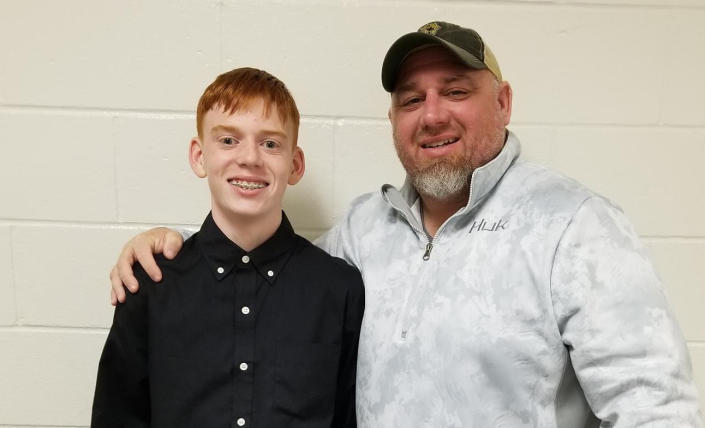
(222, 255)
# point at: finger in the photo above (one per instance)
(146, 259)
(124, 273)
(117, 289)
(113, 297)
(172, 244)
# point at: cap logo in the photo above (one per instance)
(430, 28)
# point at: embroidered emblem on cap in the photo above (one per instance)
(430, 28)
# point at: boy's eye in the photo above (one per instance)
(227, 140)
(271, 144)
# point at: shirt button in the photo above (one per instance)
(241, 422)
(243, 366)
(270, 273)
(245, 259)
(245, 310)
(221, 270)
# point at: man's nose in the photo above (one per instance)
(435, 112)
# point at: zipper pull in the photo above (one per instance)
(427, 254)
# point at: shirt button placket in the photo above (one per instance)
(246, 303)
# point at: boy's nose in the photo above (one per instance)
(249, 154)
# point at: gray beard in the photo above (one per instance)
(442, 181)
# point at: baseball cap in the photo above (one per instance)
(465, 43)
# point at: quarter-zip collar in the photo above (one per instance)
(482, 181)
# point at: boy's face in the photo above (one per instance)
(249, 159)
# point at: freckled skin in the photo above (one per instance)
(247, 146)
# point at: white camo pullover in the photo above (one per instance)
(536, 307)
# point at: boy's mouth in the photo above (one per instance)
(248, 185)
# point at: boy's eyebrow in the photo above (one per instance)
(234, 130)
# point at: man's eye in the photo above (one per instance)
(227, 140)
(457, 93)
(411, 101)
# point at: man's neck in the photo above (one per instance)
(435, 212)
(247, 233)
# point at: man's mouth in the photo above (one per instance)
(441, 143)
(248, 185)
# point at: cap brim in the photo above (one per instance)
(406, 44)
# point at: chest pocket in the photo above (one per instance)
(306, 376)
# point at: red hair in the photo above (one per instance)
(236, 89)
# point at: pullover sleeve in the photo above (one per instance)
(122, 387)
(624, 342)
(338, 243)
(342, 240)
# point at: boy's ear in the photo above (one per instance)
(298, 166)
(195, 157)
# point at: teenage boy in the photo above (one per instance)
(251, 325)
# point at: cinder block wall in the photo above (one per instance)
(96, 109)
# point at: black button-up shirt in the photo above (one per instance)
(235, 339)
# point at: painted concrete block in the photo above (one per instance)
(683, 86)
(654, 174)
(61, 166)
(365, 159)
(329, 54)
(155, 183)
(48, 376)
(575, 64)
(62, 274)
(7, 282)
(697, 355)
(130, 54)
(680, 264)
(309, 204)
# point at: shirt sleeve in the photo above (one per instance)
(344, 416)
(122, 387)
(625, 345)
(339, 243)
(187, 232)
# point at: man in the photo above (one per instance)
(252, 325)
(498, 293)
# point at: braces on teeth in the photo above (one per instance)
(247, 185)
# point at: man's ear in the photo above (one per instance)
(298, 166)
(504, 98)
(195, 157)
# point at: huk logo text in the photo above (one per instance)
(483, 225)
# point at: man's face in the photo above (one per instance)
(249, 159)
(447, 120)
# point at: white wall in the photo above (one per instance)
(96, 109)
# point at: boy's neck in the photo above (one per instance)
(247, 232)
